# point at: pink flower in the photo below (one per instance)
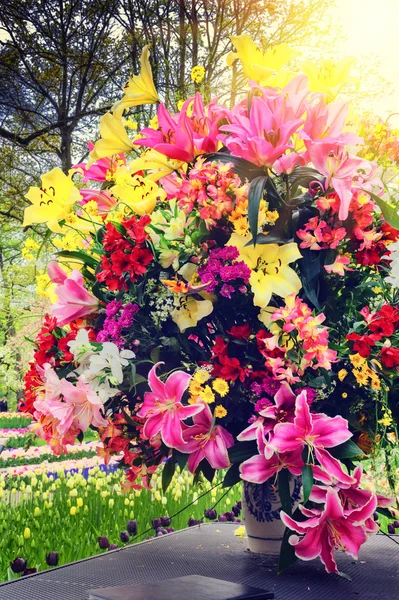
(105, 201)
(81, 407)
(339, 266)
(206, 440)
(315, 431)
(56, 273)
(163, 410)
(261, 467)
(101, 168)
(74, 301)
(325, 531)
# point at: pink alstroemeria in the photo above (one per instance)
(74, 301)
(163, 410)
(265, 135)
(340, 168)
(325, 531)
(101, 168)
(318, 432)
(205, 440)
(339, 266)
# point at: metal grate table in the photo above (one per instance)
(213, 550)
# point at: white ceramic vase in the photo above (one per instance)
(261, 507)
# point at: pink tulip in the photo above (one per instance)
(317, 432)
(74, 301)
(163, 410)
(325, 531)
(206, 440)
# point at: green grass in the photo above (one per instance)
(16, 422)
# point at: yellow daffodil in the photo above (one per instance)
(156, 163)
(328, 77)
(140, 89)
(139, 193)
(270, 271)
(113, 139)
(257, 65)
(189, 311)
(51, 202)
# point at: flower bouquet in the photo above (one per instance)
(222, 299)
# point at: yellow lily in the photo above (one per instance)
(328, 77)
(158, 164)
(189, 311)
(257, 65)
(140, 89)
(113, 139)
(270, 271)
(53, 201)
(139, 193)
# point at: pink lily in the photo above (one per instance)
(56, 273)
(264, 136)
(163, 410)
(74, 301)
(101, 168)
(325, 531)
(81, 407)
(340, 168)
(205, 440)
(261, 467)
(52, 383)
(317, 432)
(105, 201)
(325, 122)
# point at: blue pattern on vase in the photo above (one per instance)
(263, 500)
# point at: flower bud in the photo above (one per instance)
(210, 513)
(52, 559)
(222, 518)
(132, 527)
(236, 510)
(113, 546)
(18, 565)
(192, 522)
(26, 533)
(124, 536)
(156, 523)
(391, 529)
(166, 521)
(170, 529)
(29, 571)
(229, 516)
(396, 524)
(103, 542)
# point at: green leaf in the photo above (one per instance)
(307, 482)
(232, 476)
(207, 470)
(180, 458)
(255, 195)
(287, 552)
(385, 512)
(155, 354)
(284, 490)
(346, 450)
(389, 211)
(242, 451)
(167, 473)
(81, 256)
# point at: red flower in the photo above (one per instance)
(113, 240)
(372, 255)
(389, 232)
(219, 347)
(385, 321)
(32, 381)
(230, 369)
(240, 332)
(135, 229)
(390, 357)
(363, 343)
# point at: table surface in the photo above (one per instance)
(213, 550)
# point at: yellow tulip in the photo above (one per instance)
(26, 533)
(328, 77)
(257, 65)
(113, 139)
(140, 89)
(53, 201)
(269, 265)
(156, 163)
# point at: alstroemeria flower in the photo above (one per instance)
(270, 271)
(325, 531)
(162, 408)
(74, 301)
(318, 432)
(205, 440)
(339, 266)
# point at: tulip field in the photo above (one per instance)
(54, 510)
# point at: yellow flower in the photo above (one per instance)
(31, 244)
(241, 226)
(221, 387)
(344, 395)
(375, 383)
(91, 208)
(79, 502)
(360, 377)
(386, 420)
(257, 65)
(207, 395)
(153, 122)
(342, 374)
(36, 512)
(240, 531)
(197, 74)
(155, 162)
(328, 77)
(73, 510)
(139, 193)
(201, 376)
(220, 411)
(189, 312)
(356, 360)
(378, 290)
(51, 202)
(195, 388)
(140, 89)
(45, 289)
(26, 533)
(270, 271)
(113, 139)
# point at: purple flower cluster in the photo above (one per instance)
(114, 325)
(268, 386)
(221, 268)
